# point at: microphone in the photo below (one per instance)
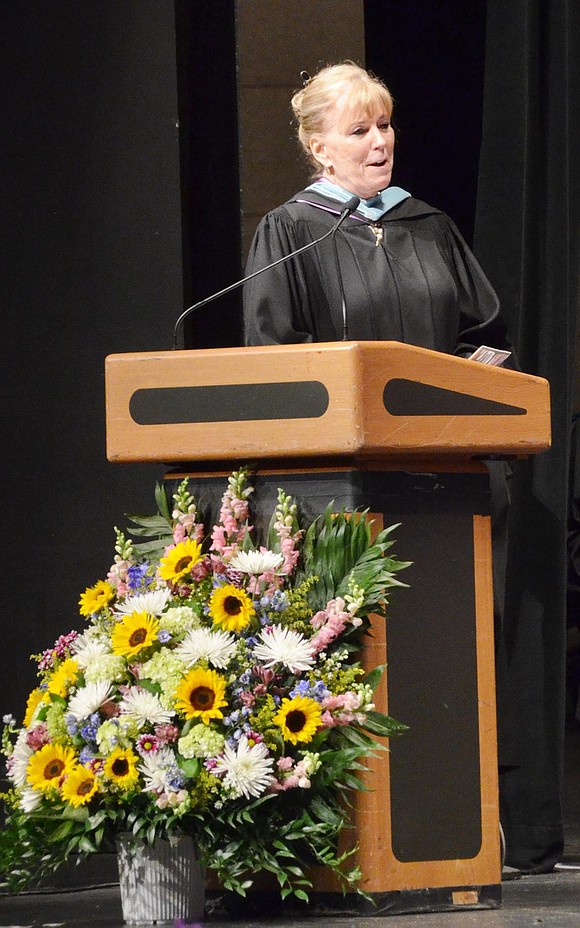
(348, 208)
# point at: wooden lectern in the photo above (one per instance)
(405, 432)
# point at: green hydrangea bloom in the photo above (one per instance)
(56, 724)
(178, 620)
(201, 741)
(111, 667)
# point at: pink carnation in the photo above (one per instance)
(38, 736)
(166, 734)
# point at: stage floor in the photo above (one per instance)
(552, 901)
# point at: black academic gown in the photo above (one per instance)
(420, 284)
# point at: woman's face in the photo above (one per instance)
(356, 149)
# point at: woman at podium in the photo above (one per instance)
(397, 269)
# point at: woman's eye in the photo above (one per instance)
(385, 125)
(359, 131)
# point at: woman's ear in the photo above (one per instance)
(318, 151)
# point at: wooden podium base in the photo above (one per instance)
(428, 829)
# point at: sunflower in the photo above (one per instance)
(134, 633)
(299, 718)
(48, 765)
(64, 677)
(231, 608)
(179, 561)
(201, 695)
(96, 597)
(80, 785)
(36, 698)
(121, 768)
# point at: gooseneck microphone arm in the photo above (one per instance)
(348, 209)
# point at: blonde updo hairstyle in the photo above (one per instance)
(312, 104)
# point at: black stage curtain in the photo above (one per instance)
(526, 237)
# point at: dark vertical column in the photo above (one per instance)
(431, 55)
(208, 133)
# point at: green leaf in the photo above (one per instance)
(373, 678)
(384, 725)
(162, 500)
(190, 766)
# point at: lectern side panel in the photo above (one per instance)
(435, 775)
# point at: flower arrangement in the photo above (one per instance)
(215, 692)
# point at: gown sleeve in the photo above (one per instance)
(276, 302)
(480, 319)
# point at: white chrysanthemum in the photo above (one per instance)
(18, 760)
(248, 770)
(142, 707)
(256, 562)
(30, 799)
(89, 699)
(153, 602)
(216, 647)
(159, 770)
(88, 648)
(279, 645)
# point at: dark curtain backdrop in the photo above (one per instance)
(91, 264)
(98, 229)
(527, 239)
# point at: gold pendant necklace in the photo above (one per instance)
(377, 231)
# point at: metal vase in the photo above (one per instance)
(160, 883)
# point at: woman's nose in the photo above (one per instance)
(377, 137)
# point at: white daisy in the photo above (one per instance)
(142, 707)
(256, 562)
(160, 771)
(248, 770)
(89, 699)
(284, 646)
(153, 602)
(216, 647)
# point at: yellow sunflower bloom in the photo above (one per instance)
(299, 719)
(179, 561)
(36, 699)
(121, 768)
(96, 597)
(231, 608)
(134, 633)
(64, 677)
(80, 785)
(48, 765)
(201, 695)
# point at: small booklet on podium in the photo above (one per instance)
(486, 355)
